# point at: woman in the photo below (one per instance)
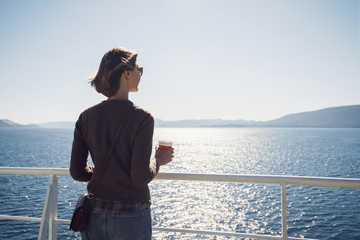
(120, 203)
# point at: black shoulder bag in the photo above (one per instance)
(79, 218)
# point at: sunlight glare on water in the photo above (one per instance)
(313, 212)
(215, 206)
(247, 208)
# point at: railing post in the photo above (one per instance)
(283, 212)
(53, 213)
(50, 211)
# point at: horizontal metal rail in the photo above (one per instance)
(240, 178)
(264, 179)
(50, 212)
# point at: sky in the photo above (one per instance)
(202, 59)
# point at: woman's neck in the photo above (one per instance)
(123, 91)
(116, 97)
(121, 94)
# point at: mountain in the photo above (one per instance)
(204, 123)
(62, 124)
(9, 124)
(5, 123)
(335, 117)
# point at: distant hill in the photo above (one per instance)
(5, 123)
(334, 117)
(203, 123)
(62, 124)
(8, 123)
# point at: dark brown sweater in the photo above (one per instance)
(129, 169)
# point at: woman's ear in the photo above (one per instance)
(126, 74)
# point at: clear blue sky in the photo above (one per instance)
(202, 59)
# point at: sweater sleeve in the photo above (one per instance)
(142, 170)
(79, 168)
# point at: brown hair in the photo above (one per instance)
(112, 65)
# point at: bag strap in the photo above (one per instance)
(112, 146)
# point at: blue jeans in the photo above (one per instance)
(112, 220)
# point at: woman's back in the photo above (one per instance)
(128, 169)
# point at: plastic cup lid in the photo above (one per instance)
(165, 143)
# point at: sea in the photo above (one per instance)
(313, 212)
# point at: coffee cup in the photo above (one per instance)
(164, 144)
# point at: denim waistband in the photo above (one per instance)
(98, 204)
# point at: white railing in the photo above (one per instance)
(49, 220)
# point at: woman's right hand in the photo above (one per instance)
(165, 156)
